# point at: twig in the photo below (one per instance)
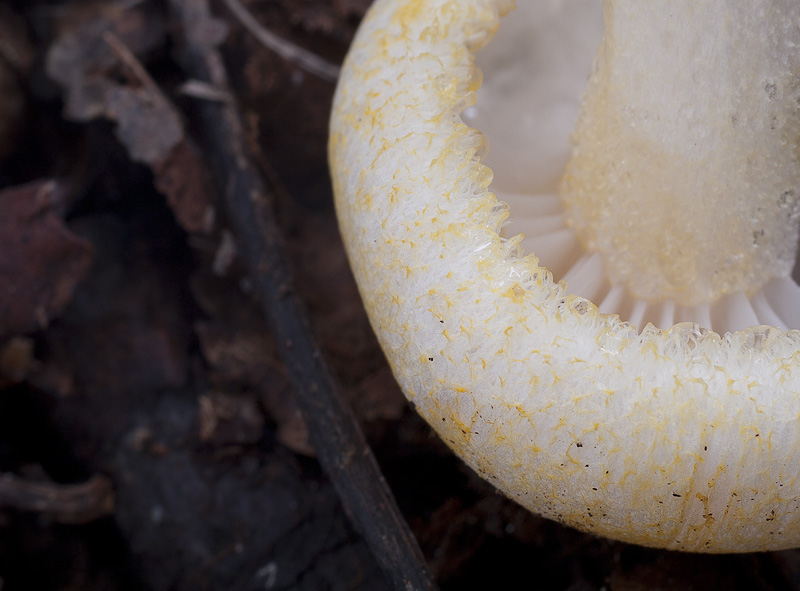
(286, 49)
(127, 57)
(201, 90)
(66, 503)
(334, 432)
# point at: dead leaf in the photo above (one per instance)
(81, 60)
(16, 360)
(147, 125)
(229, 419)
(42, 260)
(182, 178)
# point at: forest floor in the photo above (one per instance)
(150, 436)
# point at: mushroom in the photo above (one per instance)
(650, 391)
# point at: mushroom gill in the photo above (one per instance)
(681, 199)
(684, 438)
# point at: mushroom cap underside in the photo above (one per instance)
(676, 438)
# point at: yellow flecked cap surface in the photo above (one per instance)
(681, 439)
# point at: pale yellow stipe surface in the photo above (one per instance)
(681, 438)
(685, 173)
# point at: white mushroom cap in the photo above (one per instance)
(677, 438)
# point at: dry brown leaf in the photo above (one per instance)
(42, 260)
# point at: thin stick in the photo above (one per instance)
(126, 56)
(334, 432)
(286, 49)
(66, 503)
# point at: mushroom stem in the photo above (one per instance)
(684, 174)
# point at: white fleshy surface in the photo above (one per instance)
(679, 439)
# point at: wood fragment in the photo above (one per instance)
(287, 50)
(42, 261)
(65, 503)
